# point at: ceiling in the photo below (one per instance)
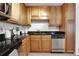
(43, 4)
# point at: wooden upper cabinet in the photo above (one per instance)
(52, 16)
(69, 11)
(38, 12)
(55, 16)
(35, 12)
(20, 13)
(15, 11)
(59, 16)
(28, 15)
(43, 12)
(23, 19)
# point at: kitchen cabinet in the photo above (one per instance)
(70, 36)
(19, 13)
(44, 12)
(46, 43)
(40, 43)
(52, 16)
(22, 20)
(55, 16)
(24, 48)
(28, 15)
(15, 12)
(35, 43)
(35, 12)
(59, 16)
(39, 13)
(68, 26)
(69, 11)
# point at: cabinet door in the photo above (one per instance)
(43, 12)
(24, 48)
(20, 52)
(70, 36)
(35, 12)
(58, 16)
(35, 43)
(28, 15)
(52, 16)
(22, 20)
(70, 11)
(46, 43)
(15, 12)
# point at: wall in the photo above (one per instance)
(77, 29)
(42, 26)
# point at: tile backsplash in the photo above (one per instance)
(42, 26)
(8, 26)
(39, 25)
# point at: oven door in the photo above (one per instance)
(14, 53)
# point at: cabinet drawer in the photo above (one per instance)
(35, 36)
(46, 36)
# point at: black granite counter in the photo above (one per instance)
(10, 44)
(44, 32)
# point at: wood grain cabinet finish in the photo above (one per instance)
(34, 12)
(40, 43)
(19, 13)
(24, 48)
(28, 15)
(46, 43)
(44, 12)
(52, 16)
(35, 43)
(23, 19)
(15, 11)
(39, 13)
(69, 26)
(70, 36)
(59, 16)
(69, 11)
(55, 16)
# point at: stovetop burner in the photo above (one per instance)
(4, 44)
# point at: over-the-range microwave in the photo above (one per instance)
(5, 8)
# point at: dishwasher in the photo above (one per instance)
(58, 41)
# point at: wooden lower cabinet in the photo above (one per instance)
(46, 45)
(70, 42)
(24, 48)
(40, 43)
(35, 45)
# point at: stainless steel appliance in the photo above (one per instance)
(58, 41)
(5, 8)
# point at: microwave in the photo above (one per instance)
(5, 8)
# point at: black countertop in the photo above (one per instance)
(45, 32)
(11, 44)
